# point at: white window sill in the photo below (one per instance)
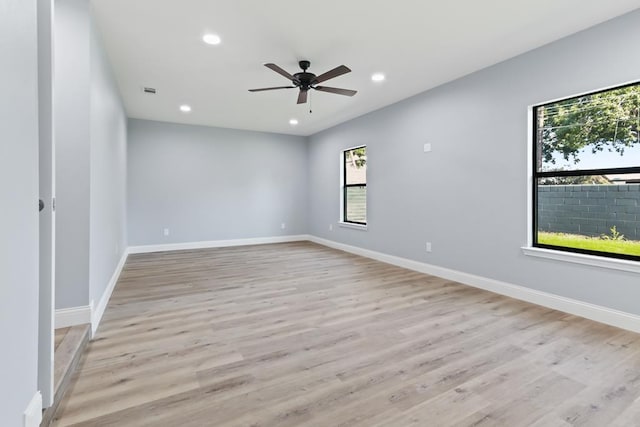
(353, 226)
(592, 260)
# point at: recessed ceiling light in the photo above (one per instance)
(293, 122)
(377, 77)
(185, 108)
(211, 39)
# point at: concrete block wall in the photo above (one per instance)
(357, 204)
(590, 210)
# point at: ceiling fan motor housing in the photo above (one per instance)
(305, 81)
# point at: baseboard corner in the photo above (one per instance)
(98, 311)
(33, 412)
(72, 316)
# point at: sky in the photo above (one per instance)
(602, 159)
(596, 112)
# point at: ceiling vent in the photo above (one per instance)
(150, 90)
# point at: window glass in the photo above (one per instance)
(355, 185)
(587, 175)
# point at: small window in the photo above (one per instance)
(354, 190)
(586, 179)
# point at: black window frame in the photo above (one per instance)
(345, 186)
(537, 175)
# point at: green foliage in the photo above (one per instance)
(575, 180)
(615, 235)
(608, 120)
(626, 247)
(357, 156)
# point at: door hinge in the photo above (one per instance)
(53, 204)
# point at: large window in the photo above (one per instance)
(354, 189)
(586, 183)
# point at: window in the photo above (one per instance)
(354, 189)
(586, 175)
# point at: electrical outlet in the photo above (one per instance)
(427, 147)
(330, 227)
(283, 226)
(165, 231)
(428, 247)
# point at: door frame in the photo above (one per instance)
(46, 167)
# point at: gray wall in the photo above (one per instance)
(590, 210)
(90, 126)
(72, 127)
(213, 184)
(108, 172)
(477, 126)
(19, 195)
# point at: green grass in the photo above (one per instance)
(626, 247)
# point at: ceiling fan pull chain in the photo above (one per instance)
(310, 101)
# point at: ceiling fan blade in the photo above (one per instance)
(345, 92)
(271, 88)
(279, 70)
(302, 96)
(338, 71)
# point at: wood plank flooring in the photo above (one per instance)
(69, 345)
(298, 334)
(59, 335)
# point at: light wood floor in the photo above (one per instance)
(68, 342)
(69, 345)
(301, 335)
(59, 335)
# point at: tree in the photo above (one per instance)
(574, 180)
(357, 157)
(605, 120)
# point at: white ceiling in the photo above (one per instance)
(418, 44)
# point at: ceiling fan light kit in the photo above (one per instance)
(306, 81)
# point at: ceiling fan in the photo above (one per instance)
(305, 81)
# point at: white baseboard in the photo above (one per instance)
(594, 312)
(33, 413)
(72, 316)
(216, 244)
(96, 314)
